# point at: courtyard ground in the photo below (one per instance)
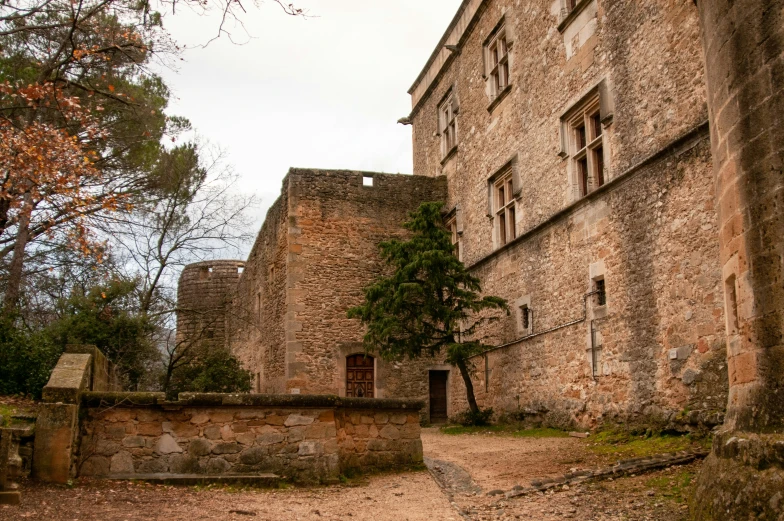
(469, 465)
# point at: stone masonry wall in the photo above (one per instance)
(202, 300)
(649, 235)
(650, 57)
(659, 340)
(336, 224)
(256, 322)
(299, 438)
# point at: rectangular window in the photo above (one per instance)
(451, 226)
(586, 145)
(601, 293)
(447, 125)
(525, 319)
(504, 204)
(497, 62)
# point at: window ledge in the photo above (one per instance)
(573, 14)
(449, 155)
(498, 99)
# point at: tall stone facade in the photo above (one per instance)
(569, 141)
(317, 250)
(597, 118)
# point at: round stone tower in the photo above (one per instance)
(203, 294)
(743, 478)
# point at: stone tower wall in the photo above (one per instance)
(203, 293)
(257, 321)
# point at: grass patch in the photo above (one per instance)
(627, 445)
(508, 430)
(6, 411)
(676, 486)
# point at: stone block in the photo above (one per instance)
(167, 445)
(54, 434)
(246, 438)
(133, 441)
(274, 419)
(298, 419)
(95, 466)
(105, 447)
(199, 447)
(270, 438)
(212, 432)
(381, 418)
(69, 378)
(309, 448)
(184, 464)
(254, 455)
(217, 466)
(389, 432)
(122, 463)
(226, 448)
(200, 418)
(149, 429)
(398, 418)
(153, 466)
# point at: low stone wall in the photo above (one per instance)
(303, 438)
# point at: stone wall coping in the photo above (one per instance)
(318, 401)
(70, 376)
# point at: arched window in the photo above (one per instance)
(360, 376)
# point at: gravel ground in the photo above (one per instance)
(412, 496)
(464, 464)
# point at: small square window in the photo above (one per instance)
(601, 292)
(367, 181)
(525, 317)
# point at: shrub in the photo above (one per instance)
(469, 418)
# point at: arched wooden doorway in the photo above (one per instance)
(360, 376)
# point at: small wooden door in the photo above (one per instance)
(360, 376)
(438, 381)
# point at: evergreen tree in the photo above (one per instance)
(430, 303)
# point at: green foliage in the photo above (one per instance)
(212, 371)
(430, 303)
(471, 418)
(26, 360)
(107, 316)
(506, 430)
(674, 486)
(625, 444)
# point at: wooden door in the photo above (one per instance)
(360, 376)
(438, 381)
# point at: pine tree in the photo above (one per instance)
(430, 304)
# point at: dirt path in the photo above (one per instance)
(500, 462)
(466, 467)
(412, 496)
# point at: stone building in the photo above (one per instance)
(569, 141)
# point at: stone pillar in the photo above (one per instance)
(743, 478)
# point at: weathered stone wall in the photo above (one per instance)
(649, 55)
(257, 317)
(317, 249)
(743, 478)
(336, 224)
(300, 438)
(648, 232)
(659, 340)
(202, 301)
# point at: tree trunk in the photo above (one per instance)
(461, 364)
(15, 270)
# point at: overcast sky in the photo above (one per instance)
(321, 92)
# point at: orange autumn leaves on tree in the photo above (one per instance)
(44, 167)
